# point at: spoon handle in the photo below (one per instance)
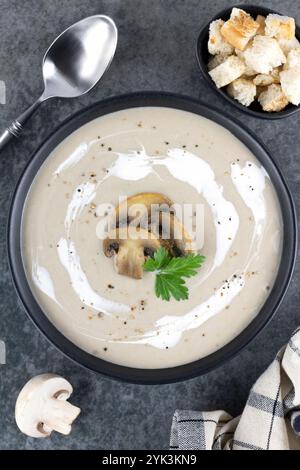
(16, 127)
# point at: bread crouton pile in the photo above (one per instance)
(256, 59)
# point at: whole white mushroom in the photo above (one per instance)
(42, 406)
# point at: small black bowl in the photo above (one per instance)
(203, 57)
(185, 371)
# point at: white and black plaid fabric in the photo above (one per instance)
(270, 420)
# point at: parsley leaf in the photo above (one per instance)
(170, 272)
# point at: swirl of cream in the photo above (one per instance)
(250, 184)
(80, 284)
(191, 169)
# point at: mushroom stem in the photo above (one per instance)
(62, 428)
(130, 247)
(58, 415)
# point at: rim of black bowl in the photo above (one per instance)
(186, 371)
(202, 57)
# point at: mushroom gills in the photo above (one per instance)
(173, 235)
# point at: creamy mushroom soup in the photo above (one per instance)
(188, 159)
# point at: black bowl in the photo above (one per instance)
(203, 57)
(173, 374)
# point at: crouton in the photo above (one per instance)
(267, 79)
(259, 90)
(263, 80)
(256, 59)
(293, 59)
(239, 29)
(249, 72)
(264, 55)
(275, 74)
(242, 90)
(229, 70)
(261, 20)
(273, 99)
(290, 82)
(217, 44)
(215, 60)
(278, 26)
(288, 44)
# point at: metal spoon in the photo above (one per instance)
(72, 65)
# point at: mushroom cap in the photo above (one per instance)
(138, 207)
(131, 246)
(41, 402)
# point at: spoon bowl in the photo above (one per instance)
(78, 58)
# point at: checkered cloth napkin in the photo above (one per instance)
(270, 420)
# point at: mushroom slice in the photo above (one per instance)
(174, 237)
(131, 247)
(138, 208)
(42, 406)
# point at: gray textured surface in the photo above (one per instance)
(156, 51)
